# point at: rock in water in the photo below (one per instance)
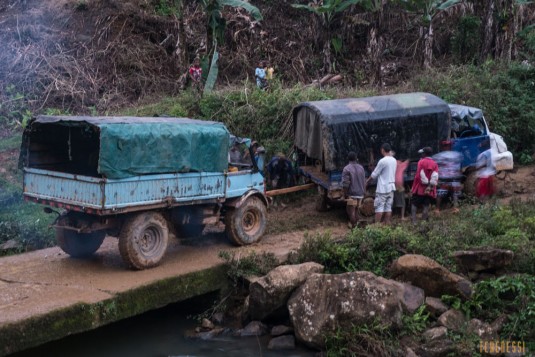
(325, 303)
(254, 328)
(268, 295)
(286, 342)
(281, 330)
(427, 274)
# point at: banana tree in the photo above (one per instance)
(376, 42)
(215, 31)
(326, 11)
(429, 10)
(509, 14)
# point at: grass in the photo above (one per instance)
(11, 143)
(23, 222)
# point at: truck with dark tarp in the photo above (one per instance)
(138, 178)
(326, 131)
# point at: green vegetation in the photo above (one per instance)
(364, 340)
(25, 223)
(375, 247)
(239, 267)
(246, 111)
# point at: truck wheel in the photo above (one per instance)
(322, 201)
(469, 187)
(246, 224)
(143, 240)
(79, 245)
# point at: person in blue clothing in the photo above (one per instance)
(280, 172)
(260, 75)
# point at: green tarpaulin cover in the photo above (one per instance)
(132, 146)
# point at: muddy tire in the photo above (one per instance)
(246, 224)
(469, 187)
(79, 245)
(143, 240)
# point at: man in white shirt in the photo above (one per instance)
(385, 173)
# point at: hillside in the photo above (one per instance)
(94, 56)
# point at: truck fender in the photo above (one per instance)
(237, 202)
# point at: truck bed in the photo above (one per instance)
(106, 196)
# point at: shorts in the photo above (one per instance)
(399, 199)
(354, 201)
(418, 200)
(485, 186)
(383, 202)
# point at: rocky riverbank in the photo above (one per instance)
(421, 311)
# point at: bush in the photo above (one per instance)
(254, 264)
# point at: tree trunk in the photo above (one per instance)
(181, 45)
(506, 28)
(428, 46)
(374, 50)
(209, 41)
(327, 54)
(376, 44)
(488, 31)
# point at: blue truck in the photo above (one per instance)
(138, 179)
(326, 131)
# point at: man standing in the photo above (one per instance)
(353, 182)
(485, 174)
(424, 186)
(385, 173)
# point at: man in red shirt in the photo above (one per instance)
(424, 186)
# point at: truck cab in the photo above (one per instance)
(469, 130)
(138, 178)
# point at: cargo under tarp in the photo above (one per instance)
(328, 130)
(121, 147)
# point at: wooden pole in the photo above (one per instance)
(283, 191)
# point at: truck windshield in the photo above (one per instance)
(467, 127)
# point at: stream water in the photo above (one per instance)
(159, 333)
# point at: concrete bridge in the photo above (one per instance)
(46, 295)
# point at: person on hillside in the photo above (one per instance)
(260, 75)
(399, 194)
(385, 173)
(195, 73)
(269, 71)
(485, 174)
(424, 186)
(354, 185)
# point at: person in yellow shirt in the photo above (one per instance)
(269, 71)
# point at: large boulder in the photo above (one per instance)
(479, 260)
(269, 295)
(427, 274)
(325, 303)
